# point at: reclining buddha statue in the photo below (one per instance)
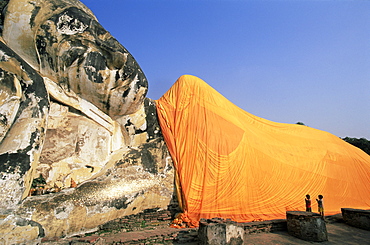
(73, 112)
(81, 144)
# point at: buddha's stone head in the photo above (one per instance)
(66, 43)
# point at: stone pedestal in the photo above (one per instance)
(306, 226)
(357, 217)
(220, 232)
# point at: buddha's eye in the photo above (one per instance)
(94, 62)
(73, 54)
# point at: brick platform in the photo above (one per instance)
(306, 226)
(357, 217)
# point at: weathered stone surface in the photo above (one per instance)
(70, 44)
(357, 217)
(212, 233)
(306, 226)
(125, 188)
(15, 230)
(75, 147)
(73, 110)
(23, 116)
(220, 232)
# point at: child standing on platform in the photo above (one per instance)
(320, 204)
(308, 203)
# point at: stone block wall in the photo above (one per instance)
(357, 217)
(136, 222)
(265, 226)
(306, 226)
(152, 220)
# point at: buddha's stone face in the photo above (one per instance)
(82, 56)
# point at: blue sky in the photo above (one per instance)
(283, 60)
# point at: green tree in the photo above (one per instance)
(361, 143)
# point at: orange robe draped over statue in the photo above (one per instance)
(232, 164)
